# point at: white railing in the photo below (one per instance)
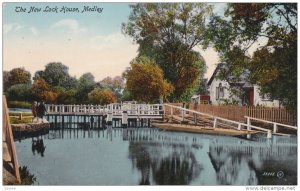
(217, 120)
(275, 125)
(114, 109)
(74, 109)
(136, 109)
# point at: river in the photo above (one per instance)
(148, 156)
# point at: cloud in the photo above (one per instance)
(34, 30)
(71, 24)
(13, 27)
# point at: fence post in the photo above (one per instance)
(239, 127)
(195, 118)
(275, 128)
(248, 124)
(215, 122)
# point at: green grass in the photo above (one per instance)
(18, 121)
(19, 113)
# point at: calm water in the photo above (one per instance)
(149, 156)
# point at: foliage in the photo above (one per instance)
(87, 79)
(64, 96)
(6, 82)
(20, 92)
(26, 177)
(101, 96)
(115, 84)
(19, 104)
(145, 80)
(41, 91)
(270, 29)
(57, 74)
(18, 76)
(126, 95)
(167, 33)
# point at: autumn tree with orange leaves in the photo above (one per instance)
(145, 80)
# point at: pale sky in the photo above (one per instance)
(85, 42)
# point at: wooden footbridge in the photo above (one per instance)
(168, 113)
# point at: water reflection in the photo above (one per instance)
(168, 160)
(152, 157)
(38, 146)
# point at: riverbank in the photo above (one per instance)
(204, 130)
(29, 129)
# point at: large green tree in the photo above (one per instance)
(57, 74)
(167, 33)
(270, 29)
(145, 81)
(86, 84)
(18, 76)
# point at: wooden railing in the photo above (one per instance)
(9, 140)
(183, 112)
(238, 113)
(274, 124)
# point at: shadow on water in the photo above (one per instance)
(171, 158)
(38, 146)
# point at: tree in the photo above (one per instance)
(145, 81)
(273, 65)
(115, 84)
(6, 83)
(19, 92)
(19, 76)
(64, 96)
(167, 33)
(101, 96)
(41, 91)
(57, 74)
(87, 79)
(86, 84)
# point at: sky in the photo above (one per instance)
(84, 41)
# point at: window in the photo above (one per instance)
(266, 97)
(220, 92)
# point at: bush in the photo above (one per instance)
(19, 104)
(26, 177)
(20, 92)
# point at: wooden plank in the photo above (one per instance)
(9, 139)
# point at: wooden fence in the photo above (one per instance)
(238, 113)
(9, 141)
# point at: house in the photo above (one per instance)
(241, 92)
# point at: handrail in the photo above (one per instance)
(275, 124)
(8, 137)
(115, 108)
(249, 126)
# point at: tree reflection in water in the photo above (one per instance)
(178, 166)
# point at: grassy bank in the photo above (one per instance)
(15, 118)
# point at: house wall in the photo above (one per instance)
(212, 89)
(259, 101)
